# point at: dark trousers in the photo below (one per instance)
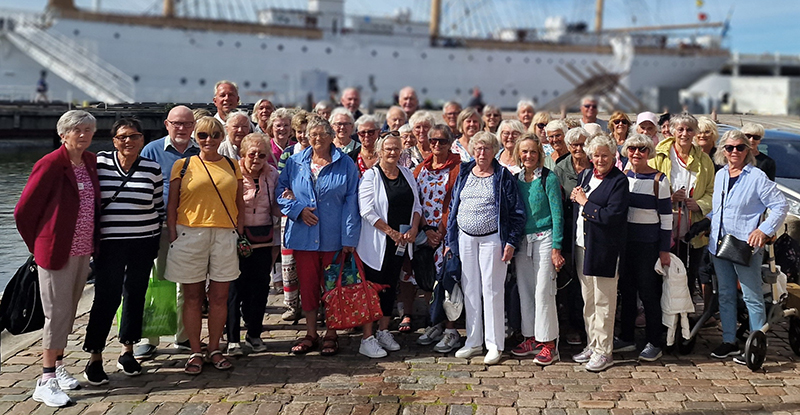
(569, 297)
(693, 262)
(388, 275)
(122, 270)
(638, 276)
(248, 295)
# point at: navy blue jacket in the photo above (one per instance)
(510, 222)
(605, 221)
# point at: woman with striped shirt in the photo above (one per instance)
(131, 212)
(649, 237)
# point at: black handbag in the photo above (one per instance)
(730, 248)
(21, 308)
(424, 267)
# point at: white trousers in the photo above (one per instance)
(536, 279)
(599, 307)
(483, 277)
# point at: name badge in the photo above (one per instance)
(80, 186)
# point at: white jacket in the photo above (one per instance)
(374, 205)
(676, 301)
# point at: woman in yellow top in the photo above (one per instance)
(691, 177)
(204, 213)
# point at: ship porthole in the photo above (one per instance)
(135, 78)
(191, 41)
(508, 59)
(247, 84)
(550, 61)
(502, 92)
(263, 85)
(452, 57)
(544, 93)
(280, 47)
(183, 81)
(116, 35)
(423, 55)
(395, 54)
(470, 58)
(489, 58)
(220, 43)
(514, 92)
(263, 46)
(201, 81)
(304, 49)
(76, 32)
(238, 44)
(538, 60)
(328, 51)
(374, 53)
(458, 91)
(527, 60)
(424, 90)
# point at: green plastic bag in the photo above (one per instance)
(160, 317)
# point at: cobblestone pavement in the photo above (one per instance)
(414, 380)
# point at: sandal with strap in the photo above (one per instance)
(330, 346)
(194, 369)
(305, 345)
(222, 364)
(405, 324)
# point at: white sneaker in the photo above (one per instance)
(599, 362)
(492, 357)
(65, 380)
(432, 335)
(467, 352)
(50, 394)
(449, 342)
(386, 340)
(371, 348)
(234, 349)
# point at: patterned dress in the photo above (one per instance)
(433, 190)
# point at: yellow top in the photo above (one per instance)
(199, 205)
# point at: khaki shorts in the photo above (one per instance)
(202, 253)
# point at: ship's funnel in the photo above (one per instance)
(61, 4)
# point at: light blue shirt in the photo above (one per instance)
(749, 197)
(165, 154)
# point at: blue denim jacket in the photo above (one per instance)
(334, 195)
(749, 197)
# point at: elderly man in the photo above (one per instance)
(226, 99)
(395, 118)
(237, 127)
(351, 99)
(408, 101)
(176, 145)
(450, 111)
(589, 112)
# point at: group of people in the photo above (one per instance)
(603, 204)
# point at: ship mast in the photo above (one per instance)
(598, 17)
(436, 6)
(169, 8)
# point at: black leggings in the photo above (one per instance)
(248, 295)
(388, 275)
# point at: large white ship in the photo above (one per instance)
(297, 56)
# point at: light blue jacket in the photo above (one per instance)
(334, 195)
(749, 197)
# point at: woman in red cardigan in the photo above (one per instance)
(56, 218)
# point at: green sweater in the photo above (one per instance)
(544, 211)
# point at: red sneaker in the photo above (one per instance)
(529, 347)
(548, 355)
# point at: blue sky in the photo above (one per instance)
(763, 26)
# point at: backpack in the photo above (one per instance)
(21, 307)
(787, 256)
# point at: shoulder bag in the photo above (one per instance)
(243, 246)
(729, 247)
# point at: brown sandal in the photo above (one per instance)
(330, 346)
(305, 345)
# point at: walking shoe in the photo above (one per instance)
(94, 373)
(450, 341)
(386, 340)
(432, 335)
(574, 338)
(623, 346)
(725, 350)
(548, 355)
(492, 357)
(144, 351)
(641, 321)
(584, 356)
(467, 352)
(292, 314)
(528, 347)
(50, 394)
(234, 349)
(740, 359)
(255, 344)
(599, 362)
(650, 353)
(371, 348)
(183, 346)
(128, 364)
(65, 380)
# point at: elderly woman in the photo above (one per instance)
(395, 118)
(525, 113)
(469, 124)
(741, 195)
(540, 121)
(491, 118)
(620, 127)
(411, 155)
(706, 137)
(261, 113)
(556, 131)
(343, 123)
(368, 130)
(319, 176)
(649, 238)
(540, 253)
(203, 240)
(484, 227)
(421, 123)
(236, 128)
(507, 134)
(247, 297)
(299, 123)
(755, 132)
(601, 201)
(131, 212)
(324, 109)
(390, 210)
(55, 216)
(279, 129)
(691, 176)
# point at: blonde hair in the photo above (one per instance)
(251, 139)
(209, 125)
(539, 149)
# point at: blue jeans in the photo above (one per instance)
(750, 278)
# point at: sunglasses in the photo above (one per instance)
(205, 136)
(364, 133)
(642, 149)
(739, 147)
(133, 137)
(753, 137)
(618, 122)
(588, 106)
(259, 155)
(439, 141)
(541, 125)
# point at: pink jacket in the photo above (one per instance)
(259, 207)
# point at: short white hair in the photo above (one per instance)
(575, 134)
(364, 119)
(601, 141)
(341, 111)
(557, 125)
(486, 138)
(421, 116)
(525, 104)
(72, 119)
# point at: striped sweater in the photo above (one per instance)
(649, 219)
(138, 210)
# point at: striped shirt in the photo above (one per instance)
(138, 210)
(649, 219)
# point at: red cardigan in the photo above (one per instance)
(47, 211)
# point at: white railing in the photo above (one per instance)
(16, 93)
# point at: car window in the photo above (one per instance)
(786, 154)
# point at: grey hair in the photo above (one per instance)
(466, 113)
(223, 82)
(640, 140)
(592, 98)
(593, 129)
(324, 104)
(490, 108)
(557, 125)
(405, 128)
(366, 118)
(451, 103)
(250, 140)
(682, 119)
(341, 111)
(316, 121)
(72, 119)
(753, 128)
(486, 138)
(575, 134)
(254, 115)
(525, 104)
(600, 141)
(237, 113)
(719, 156)
(381, 141)
(421, 116)
(280, 113)
(515, 125)
(444, 129)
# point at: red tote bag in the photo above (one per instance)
(352, 305)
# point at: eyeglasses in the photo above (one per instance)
(365, 133)
(317, 135)
(392, 149)
(181, 124)
(342, 124)
(454, 114)
(642, 149)
(555, 136)
(205, 136)
(590, 106)
(739, 147)
(490, 115)
(477, 150)
(506, 134)
(132, 137)
(620, 121)
(439, 141)
(541, 125)
(577, 145)
(753, 137)
(259, 155)
(388, 133)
